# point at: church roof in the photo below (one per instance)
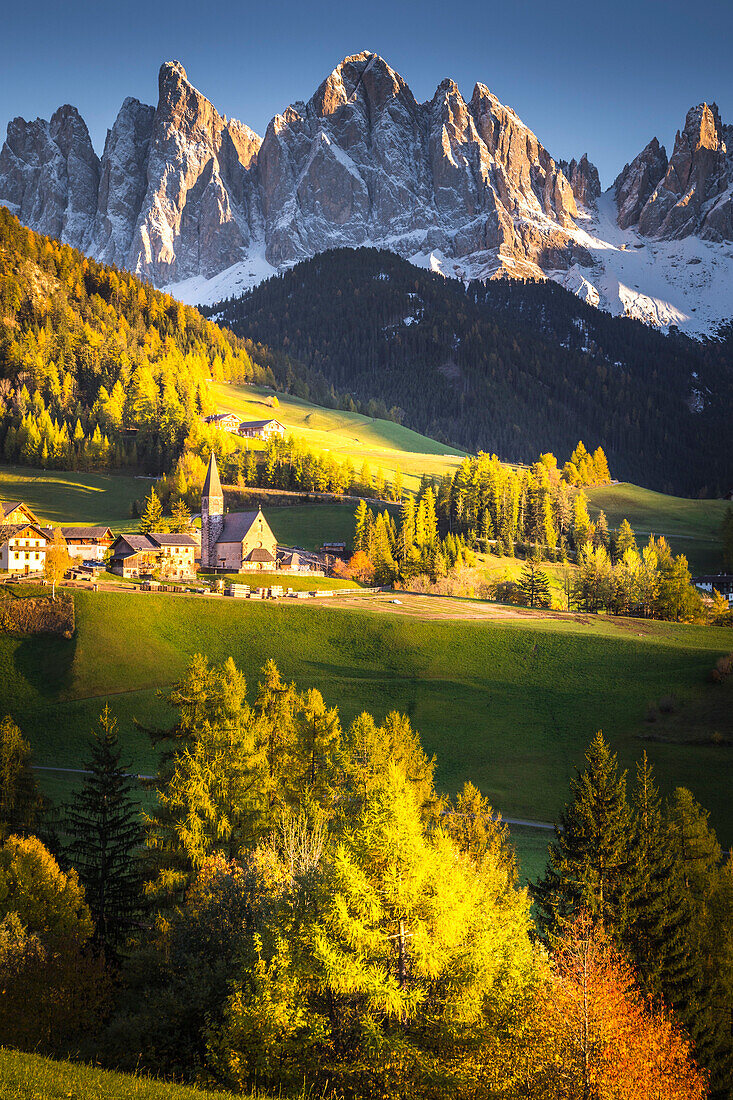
(236, 525)
(212, 484)
(260, 554)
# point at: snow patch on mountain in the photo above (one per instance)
(685, 282)
(235, 280)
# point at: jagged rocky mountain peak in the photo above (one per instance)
(637, 180)
(691, 194)
(184, 193)
(584, 180)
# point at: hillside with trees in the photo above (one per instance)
(507, 367)
(97, 369)
(315, 912)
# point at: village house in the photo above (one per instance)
(22, 547)
(238, 542)
(142, 555)
(261, 429)
(84, 543)
(227, 422)
(718, 582)
(15, 511)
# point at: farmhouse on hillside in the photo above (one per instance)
(22, 547)
(239, 542)
(227, 422)
(261, 429)
(85, 543)
(142, 555)
(718, 582)
(15, 511)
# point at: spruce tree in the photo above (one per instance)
(601, 537)
(104, 823)
(707, 1007)
(659, 909)
(152, 517)
(624, 540)
(591, 855)
(180, 517)
(534, 584)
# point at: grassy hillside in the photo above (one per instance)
(30, 1077)
(509, 701)
(310, 525)
(345, 435)
(691, 526)
(66, 498)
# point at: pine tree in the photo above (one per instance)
(180, 517)
(591, 855)
(360, 528)
(152, 517)
(707, 1007)
(581, 521)
(106, 830)
(659, 912)
(624, 540)
(534, 584)
(603, 474)
(601, 536)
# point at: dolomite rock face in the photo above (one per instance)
(692, 194)
(181, 191)
(194, 214)
(634, 185)
(364, 162)
(49, 176)
(122, 183)
(584, 181)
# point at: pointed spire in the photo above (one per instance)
(212, 484)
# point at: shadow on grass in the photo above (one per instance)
(46, 663)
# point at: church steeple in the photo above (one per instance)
(212, 484)
(212, 515)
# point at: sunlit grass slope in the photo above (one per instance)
(691, 526)
(344, 435)
(63, 497)
(31, 1077)
(510, 704)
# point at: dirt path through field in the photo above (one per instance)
(450, 607)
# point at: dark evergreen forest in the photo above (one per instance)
(509, 367)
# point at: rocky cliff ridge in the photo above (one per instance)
(183, 193)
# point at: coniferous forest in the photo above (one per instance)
(507, 367)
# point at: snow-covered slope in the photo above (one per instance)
(687, 282)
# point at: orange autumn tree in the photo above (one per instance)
(358, 568)
(592, 1035)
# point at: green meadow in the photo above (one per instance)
(31, 1077)
(692, 527)
(381, 443)
(63, 497)
(508, 702)
(310, 525)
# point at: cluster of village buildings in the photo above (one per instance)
(232, 542)
(247, 429)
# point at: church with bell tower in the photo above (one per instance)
(240, 542)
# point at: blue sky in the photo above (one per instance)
(597, 77)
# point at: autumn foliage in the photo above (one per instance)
(592, 1035)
